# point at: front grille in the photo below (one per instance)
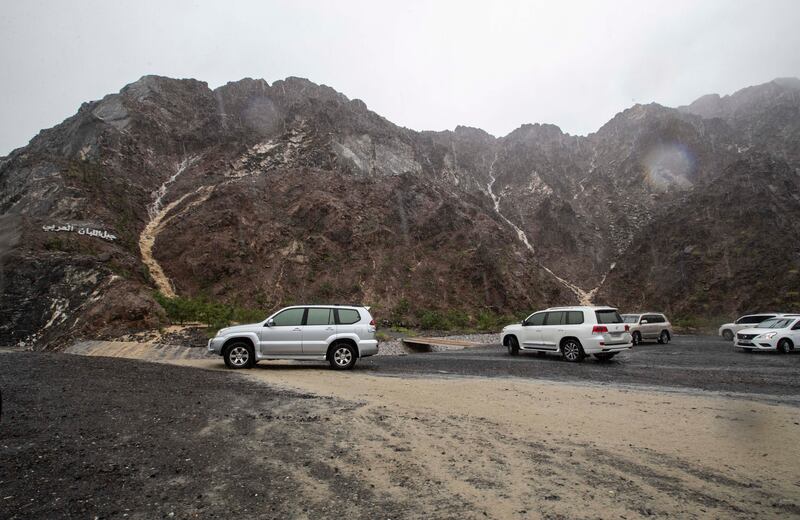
(746, 336)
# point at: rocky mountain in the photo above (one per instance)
(261, 195)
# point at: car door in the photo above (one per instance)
(794, 334)
(553, 329)
(319, 327)
(651, 328)
(284, 336)
(572, 325)
(531, 333)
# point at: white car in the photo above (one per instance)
(728, 330)
(573, 332)
(781, 333)
(339, 334)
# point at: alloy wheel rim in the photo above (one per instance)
(342, 356)
(571, 351)
(239, 356)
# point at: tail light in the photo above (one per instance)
(372, 322)
(599, 329)
(627, 328)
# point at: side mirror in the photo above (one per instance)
(270, 323)
(524, 323)
(644, 321)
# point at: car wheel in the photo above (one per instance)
(785, 346)
(728, 335)
(604, 357)
(637, 338)
(342, 356)
(664, 337)
(572, 351)
(513, 346)
(239, 355)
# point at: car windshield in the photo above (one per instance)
(630, 318)
(775, 323)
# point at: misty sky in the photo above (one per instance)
(424, 65)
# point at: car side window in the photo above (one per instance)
(319, 317)
(289, 317)
(796, 325)
(574, 317)
(554, 318)
(347, 316)
(537, 319)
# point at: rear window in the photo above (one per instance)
(630, 318)
(608, 316)
(348, 316)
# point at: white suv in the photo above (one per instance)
(338, 334)
(574, 332)
(747, 321)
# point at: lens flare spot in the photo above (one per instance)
(669, 165)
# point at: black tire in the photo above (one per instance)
(637, 338)
(512, 345)
(239, 355)
(785, 345)
(727, 335)
(603, 356)
(572, 350)
(342, 356)
(663, 338)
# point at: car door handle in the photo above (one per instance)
(329, 328)
(298, 329)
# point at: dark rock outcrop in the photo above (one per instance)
(265, 194)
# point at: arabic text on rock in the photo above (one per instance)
(91, 232)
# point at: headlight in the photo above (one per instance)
(769, 335)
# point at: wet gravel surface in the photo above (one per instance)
(696, 362)
(93, 438)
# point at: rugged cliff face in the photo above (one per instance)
(263, 195)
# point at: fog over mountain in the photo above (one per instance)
(423, 65)
(264, 194)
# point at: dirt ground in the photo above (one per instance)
(314, 443)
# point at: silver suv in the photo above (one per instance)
(339, 334)
(649, 325)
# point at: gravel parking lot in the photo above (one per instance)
(472, 433)
(695, 362)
